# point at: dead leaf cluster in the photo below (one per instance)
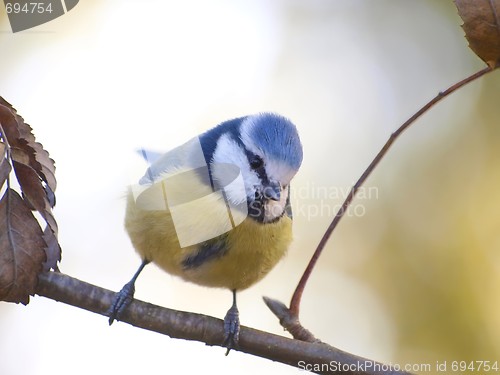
(25, 248)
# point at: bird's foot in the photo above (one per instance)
(121, 301)
(231, 329)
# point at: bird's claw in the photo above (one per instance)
(121, 301)
(231, 329)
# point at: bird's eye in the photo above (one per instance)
(256, 162)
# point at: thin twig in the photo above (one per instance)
(297, 295)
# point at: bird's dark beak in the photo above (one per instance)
(272, 191)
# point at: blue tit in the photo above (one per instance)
(216, 210)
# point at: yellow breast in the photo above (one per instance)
(251, 249)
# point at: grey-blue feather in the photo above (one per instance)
(270, 127)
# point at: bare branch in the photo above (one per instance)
(190, 326)
(289, 321)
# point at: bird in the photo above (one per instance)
(216, 210)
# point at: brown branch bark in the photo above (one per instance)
(320, 357)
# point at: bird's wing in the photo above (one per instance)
(208, 250)
(186, 157)
(149, 156)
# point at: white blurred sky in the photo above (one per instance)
(112, 76)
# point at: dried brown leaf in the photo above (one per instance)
(21, 249)
(482, 28)
(51, 222)
(4, 165)
(20, 136)
(31, 186)
(47, 166)
(50, 195)
(9, 125)
(5, 102)
(52, 250)
(35, 172)
(36, 198)
(20, 155)
(25, 130)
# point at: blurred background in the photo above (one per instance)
(411, 275)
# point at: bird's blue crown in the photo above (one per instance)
(273, 134)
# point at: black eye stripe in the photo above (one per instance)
(257, 164)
